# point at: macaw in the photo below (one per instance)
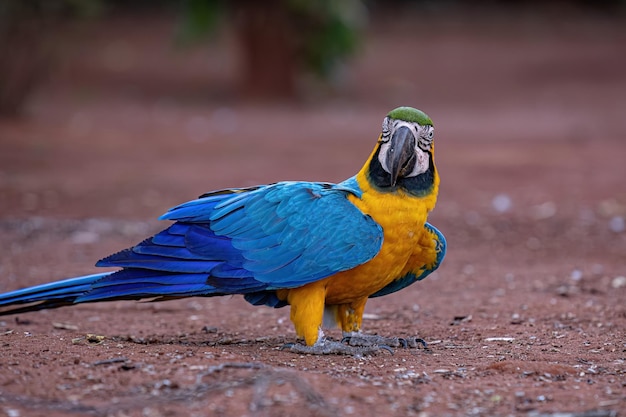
(323, 249)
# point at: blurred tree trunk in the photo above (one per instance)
(268, 40)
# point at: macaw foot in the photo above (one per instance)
(356, 344)
(332, 347)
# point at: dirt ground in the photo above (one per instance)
(526, 316)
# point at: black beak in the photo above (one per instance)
(401, 154)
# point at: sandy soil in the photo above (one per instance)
(526, 316)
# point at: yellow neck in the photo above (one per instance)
(368, 190)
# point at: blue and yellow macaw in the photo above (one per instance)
(323, 249)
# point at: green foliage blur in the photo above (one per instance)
(325, 32)
(330, 29)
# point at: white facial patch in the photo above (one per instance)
(422, 164)
(424, 139)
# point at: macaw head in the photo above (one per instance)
(403, 158)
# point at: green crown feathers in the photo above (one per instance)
(409, 114)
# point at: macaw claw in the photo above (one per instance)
(413, 342)
(357, 345)
(332, 347)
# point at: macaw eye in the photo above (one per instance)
(426, 139)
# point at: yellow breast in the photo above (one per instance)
(402, 218)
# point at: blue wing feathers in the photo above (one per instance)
(267, 298)
(243, 241)
(203, 242)
(168, 238)
(165, 251)
(198, 210)
(225, 270)
(252, 244)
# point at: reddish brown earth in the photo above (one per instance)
(526, 316)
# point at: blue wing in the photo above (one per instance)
(247, 241)
(410, 278)
(243, 241)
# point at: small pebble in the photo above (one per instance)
(618, 282)
(12, 412)
(576, 275)
(499, 339)
(617, 224)
(501, 203)
(544, 210)
(516, 319)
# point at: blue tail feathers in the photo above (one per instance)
(51, 295)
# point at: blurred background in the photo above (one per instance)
(114, 109)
